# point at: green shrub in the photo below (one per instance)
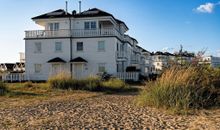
(183, 88)
(3, 89)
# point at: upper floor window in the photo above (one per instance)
(87, 24)
(101, 46)
(93, 25)
(58, 46)
(53, 26)
(38, 47)
(79, 46)
(90, 25)
(37, 68)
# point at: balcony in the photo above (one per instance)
(78, 33)
(121, 55)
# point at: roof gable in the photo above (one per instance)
(60, 13)
(56, 60)
(94, 12)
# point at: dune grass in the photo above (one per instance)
(3, 89)
(92, 83)
(183, 88)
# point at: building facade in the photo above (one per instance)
(81, 44)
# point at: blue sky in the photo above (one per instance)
(156, 24)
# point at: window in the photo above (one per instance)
(93, 25)
(101, 46)
(53, 26)
(117, 46)
(58, 46)
(79, 46)
(56, 26)
(87, 25)
(90, 25)
(37, 68)
(38, 47)
(101, 67)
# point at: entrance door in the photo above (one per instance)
(56, 69)
(78, 71)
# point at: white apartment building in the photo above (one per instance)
(81, 44)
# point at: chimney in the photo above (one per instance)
(80, 6)
(66, 7)
(74, 12)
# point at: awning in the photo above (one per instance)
(78, 60)
(57, 60)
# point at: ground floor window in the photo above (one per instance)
(101, 67)
(37, 68)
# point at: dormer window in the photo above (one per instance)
(90, 25)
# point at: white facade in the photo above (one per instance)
(98, 41)
(212, 61)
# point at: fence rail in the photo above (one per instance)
(134, 76)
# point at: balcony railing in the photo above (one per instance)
(121, 54)
(72, 33)
(13, 77)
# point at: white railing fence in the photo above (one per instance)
(73, 33)
(13, 77)
(133, 76)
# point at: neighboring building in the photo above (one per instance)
(161, 60)
(81, 44)
(211, 60)
(184, 58)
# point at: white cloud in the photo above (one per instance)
(206, 8)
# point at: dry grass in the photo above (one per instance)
(92, 83)
(21, 94)
(183, 88)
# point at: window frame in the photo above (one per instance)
(37, 68)
(101, 66)
(78, 49)
(60, 45)
(38, 47)
(93, 25)
(101, 48)
(86, 25)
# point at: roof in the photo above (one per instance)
(163, 53)
(94, 12)
(185, 54)
(78, 59)
(10, 66)
(60, 13)
(56, 60)
(143, 50)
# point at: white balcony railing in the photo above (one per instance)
(72, 33)
(134, 76)
(13, 77)
(121, 54)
